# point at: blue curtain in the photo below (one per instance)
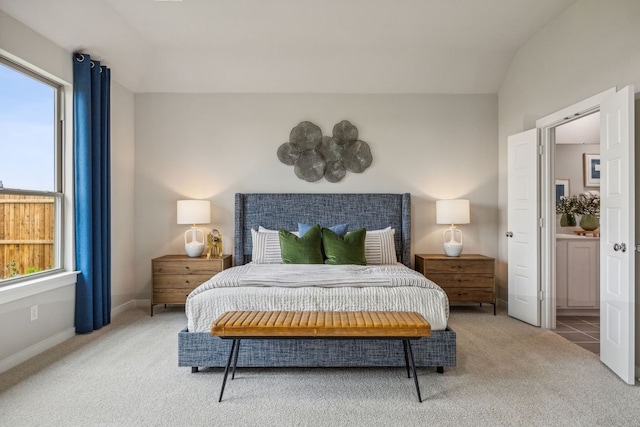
(91, 135)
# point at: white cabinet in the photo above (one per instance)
(577, 273)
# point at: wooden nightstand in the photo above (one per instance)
(175, 276)
(465, 279)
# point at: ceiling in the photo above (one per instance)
(585, 130)
(295, 46)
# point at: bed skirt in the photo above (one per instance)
(200, 349)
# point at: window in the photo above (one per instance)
(30, 174)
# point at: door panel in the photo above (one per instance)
(522, 219)
(617, 214)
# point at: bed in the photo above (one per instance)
(373, 211)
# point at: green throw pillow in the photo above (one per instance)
(301, 250)
(344, 250)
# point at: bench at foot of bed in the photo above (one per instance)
(200, 349)
(403, 326)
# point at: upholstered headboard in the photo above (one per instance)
(285, 210)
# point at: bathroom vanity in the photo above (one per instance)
(577, 272)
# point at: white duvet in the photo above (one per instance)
(304, 287)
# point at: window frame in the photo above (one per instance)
(58, 193)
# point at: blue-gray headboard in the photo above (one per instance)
(285, 210)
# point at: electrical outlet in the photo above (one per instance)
(34, 312)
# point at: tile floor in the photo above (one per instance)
(581, 330)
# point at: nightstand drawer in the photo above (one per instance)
(170, 296)
(460, 280)
(457, 266)
(469, 295)
(178, 267)
(179, 281)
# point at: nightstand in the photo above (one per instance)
(465, 279)
(175, 276)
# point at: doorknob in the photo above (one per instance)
(509, 234)
(620, 247)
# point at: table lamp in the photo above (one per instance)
(452, 212)
(194, 212)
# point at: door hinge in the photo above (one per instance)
(637, 245)
(540, 149)
(540, 222)
(541, 295)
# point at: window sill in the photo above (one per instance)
(36, 286)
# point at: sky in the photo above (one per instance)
(27, 120)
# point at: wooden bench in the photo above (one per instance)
(400, 325)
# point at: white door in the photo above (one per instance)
(522, 229)
(617, 238)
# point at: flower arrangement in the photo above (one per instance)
(568, 205)
(588, 203)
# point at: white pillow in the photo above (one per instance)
(266, 246)
(380, 247)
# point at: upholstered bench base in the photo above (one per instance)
(404, 326)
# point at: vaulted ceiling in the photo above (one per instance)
(295, 46)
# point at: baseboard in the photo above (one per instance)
(122, 308)
(130, 304)
(34, 350)
(143, 303)
(46, 344)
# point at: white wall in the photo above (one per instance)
(212, 146)
(591, 47)
(21, 338)
(122, 196)
(569, 165)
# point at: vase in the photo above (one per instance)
(589, 222)
(568, 220)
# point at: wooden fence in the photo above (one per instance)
(26, 234)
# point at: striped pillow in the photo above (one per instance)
(379, 247)
(266, 247)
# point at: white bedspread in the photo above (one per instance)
(316, 287)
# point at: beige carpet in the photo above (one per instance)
(126, 374)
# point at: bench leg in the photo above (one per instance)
(413, 368)
(235, 361)
(234, 344)
(406, 357)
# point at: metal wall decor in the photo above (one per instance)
(314, 156)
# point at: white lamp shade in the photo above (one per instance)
(194, 212)
(452, 211)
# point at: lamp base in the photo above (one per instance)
(194, 250)
(453, 248)
(195, 247)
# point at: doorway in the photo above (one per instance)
(531, 213)
(576, 145)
